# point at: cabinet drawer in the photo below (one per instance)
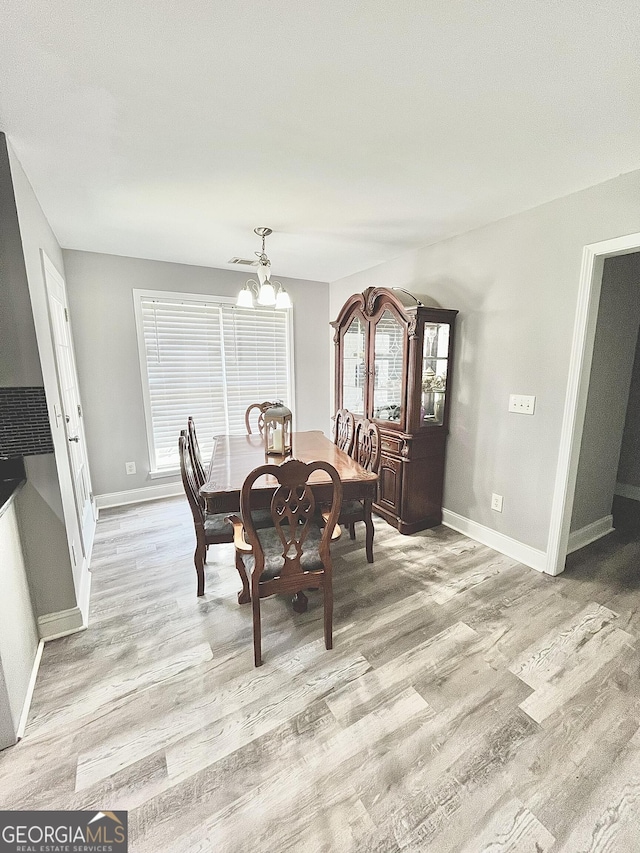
(391, 445)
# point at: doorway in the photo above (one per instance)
(585, 325)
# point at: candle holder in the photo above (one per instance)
(277, 430)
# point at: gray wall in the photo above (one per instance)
(515, 283)
(629, 464)
(610, 378)
(101, 305)
(40, 508)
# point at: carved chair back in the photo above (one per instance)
(344, 430)
(292, 512)
(262, 408)
(366, 445)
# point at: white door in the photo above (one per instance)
(71, 406)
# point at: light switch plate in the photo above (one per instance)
(522, 404)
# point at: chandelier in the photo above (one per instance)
(266, 291)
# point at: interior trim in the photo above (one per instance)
(22, 724)
(498, 541)
(136, 496)
(51, 626)
(590, 533)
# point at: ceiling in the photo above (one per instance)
(357, 131)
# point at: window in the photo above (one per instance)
(202, 356)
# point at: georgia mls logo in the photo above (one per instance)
(63, 832)
(118, 831)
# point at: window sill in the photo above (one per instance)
(166, 472)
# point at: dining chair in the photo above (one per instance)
(344, 430)
(366, 452)
(294, 553)
(194, 453)
(262, 408)
(211, 528)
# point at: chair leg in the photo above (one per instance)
(370, 531)
(198, 559)
(328, 616)
(206, 552)
(352, 531)
(257, 637)
(244, 596)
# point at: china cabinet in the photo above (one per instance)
(394, 366)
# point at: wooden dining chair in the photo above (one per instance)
(194, 453)
(344, 430)
(293, 554)
(366, 452)
(261, 408)
(211, 528)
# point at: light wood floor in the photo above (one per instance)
(469, 704)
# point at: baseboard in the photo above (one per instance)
(498, 541)
(51, 626)
(592, 532)
(22, 724)
(136, 496)
(627, 491)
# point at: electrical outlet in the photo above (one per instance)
(522, 404)
(130, 467)
(496, 502)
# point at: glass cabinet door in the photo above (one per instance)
(389, 341)
(354, 371)
(435, 361)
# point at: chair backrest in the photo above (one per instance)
(194, 453)
(191, 487)
(262, 408)
(344, 430)
(366, 445)
(292, 511)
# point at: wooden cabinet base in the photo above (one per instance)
(403, 527)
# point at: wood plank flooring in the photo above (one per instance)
(469, 704)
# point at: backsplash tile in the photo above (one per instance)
(24, 422)
(12, 469)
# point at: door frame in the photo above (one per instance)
(81, 560)
(584, 331)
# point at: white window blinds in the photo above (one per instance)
(208, 359)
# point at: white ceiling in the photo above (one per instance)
(356, 130)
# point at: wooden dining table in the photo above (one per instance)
(235, 456)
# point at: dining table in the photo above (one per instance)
(235, 456)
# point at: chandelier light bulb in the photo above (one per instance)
(267, 295)
(283, 300)
(245, 298)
